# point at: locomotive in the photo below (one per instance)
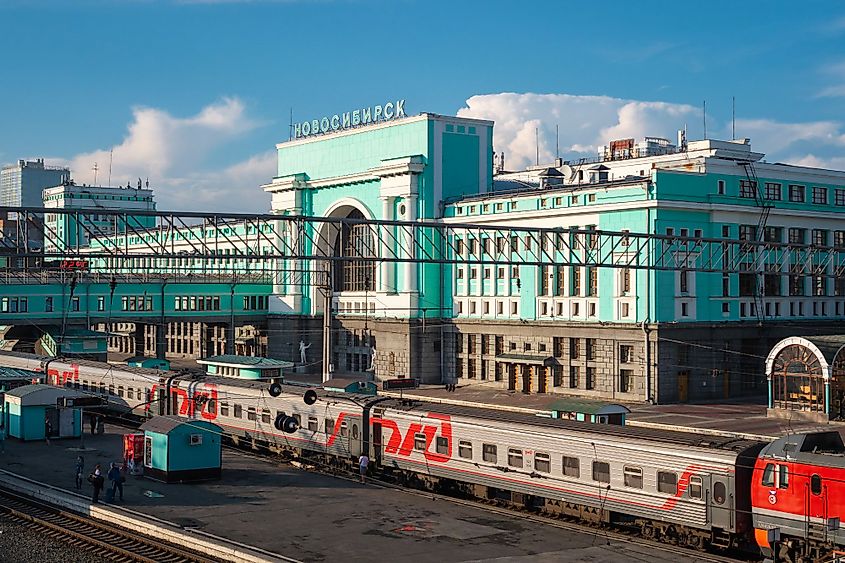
(783, 497)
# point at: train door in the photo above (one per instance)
(378, 446)
(526, 378)
(817, 501)
(51, 414)
(722, 503)
(355, 436)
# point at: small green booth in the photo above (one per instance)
(245, 367)
(150, 363)
(27, 410)
(179, 450)
(348, 385)
(586, 410)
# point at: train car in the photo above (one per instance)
(686, 488)
(798, 491)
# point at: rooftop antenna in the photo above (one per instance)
(95, 169)
(733, 117)
(537, 143)
(704, 116)
(111, 156)
(290, 127)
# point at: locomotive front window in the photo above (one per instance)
(667, 482)
(783, 477)
(816, 484)
(694, 487)
(768, 475)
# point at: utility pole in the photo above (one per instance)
(327, 322)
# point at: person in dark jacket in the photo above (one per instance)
(96, 479)
(116, 478)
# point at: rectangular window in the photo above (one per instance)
(601, 471)
(224, 409)
(768, 478)
(313, 424)
(573, 377)
(441, 445)
(48, 305)
(720, 187)
(772, 191)
(783, 477)
(419, 442)
(797, 236)
(265, 416)
(591, 348)
(667, 482)
(796, 193)
(819, 237)
(515, 458)
(695, 487)
(250, 413)
(101, 303)
(543, 462)
(571, 467)
(633, 477)
(626, 380)
(489, 452)
(591, 378)
(239, 411)
(819, 195)
(747, 188)
(465, 449)
(626, 353)
(839, 197)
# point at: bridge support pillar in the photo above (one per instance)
(161, 341)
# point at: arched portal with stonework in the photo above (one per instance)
(807, 375)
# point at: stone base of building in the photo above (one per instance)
(798, 416)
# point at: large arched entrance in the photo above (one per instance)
(354, 243)
(808, 375)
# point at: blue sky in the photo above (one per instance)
(196, 93)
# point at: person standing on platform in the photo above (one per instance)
(80, 467)
(3, 440)
(363, 462)
(48, 429)
(93, 421)
(96, 480)
(116, 479)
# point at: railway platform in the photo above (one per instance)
(730, 418)
(308, 516)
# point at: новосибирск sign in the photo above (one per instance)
(385, 112)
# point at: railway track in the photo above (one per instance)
(101, 538)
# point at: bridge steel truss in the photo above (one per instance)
(268, 244)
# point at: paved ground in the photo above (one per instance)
(319, 518)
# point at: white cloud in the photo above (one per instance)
(585, 122)
(588, 122)
(177, 154)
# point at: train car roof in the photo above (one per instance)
(360, 399)
(688, 439)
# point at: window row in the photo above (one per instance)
(796, 193)
(197, 303)
(600, 471)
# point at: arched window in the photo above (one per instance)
(798, 379)
(355, 242)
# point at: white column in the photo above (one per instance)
(410, 268)
(385, 285)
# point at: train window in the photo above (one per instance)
(769, 475)
(120, 392)
(488, 452)
(543, 462)
(719, 492)
(419, 441)
(354, 431)
(601, 471)
(515, 457)
(224, 409)
(667, 482)
(465, 449)
(298, 420)
(102, 388)
(442, 445)
(76, 384)
(239, 411)
(571, 467)
(265, 416)
(329, 426)
(816, 484)
(210, 407)
(250, 413)
(313, 425)
(84, 385)
(633, 477)
(344, 429)
(695, 487)
(783, 477)
(111, 389)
